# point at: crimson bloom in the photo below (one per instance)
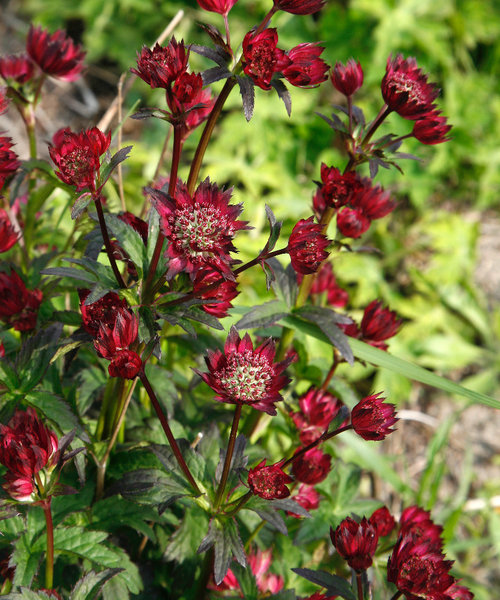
(383, 521)
(417, 522)
(217, 6)
(307, 69)
(317, 410)
(306, 246)
(242, 375)
(26, 447)
(8, 235)
(405, 89)
(16, 68)
(18, 305)
(9, 162)
(379, 324)
(55, 53)
(197, 111)
(200, 228)
(77, 156)
(269, 482)
(355, 542)
(372, 418)
(335, 188)
(262, 58)
(101, 312)
(459, 592)
(311, 467)
(307, 497)
(373, 201)
(299, 7)
(349, 78)
(161, 66)
(432, 129)
(352, 222)
(326, 282)
(220, 295)
(113, 344)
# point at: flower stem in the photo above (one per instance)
(107, 241)
(49, 562)
(333, 368)
(397, 595)
(229, 456)
(323, 438)
(168, 432)
(359, 581)
(384, 112)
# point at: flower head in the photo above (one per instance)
(307, 246)
(417, 522)
(55, 53)
(200, 228)
(161, 66)
(299, 7)
(9, 162)
(262, 58)
(311, 467)
(379, 324)
(373, 201)
(307, 497)
(383, 521)
(355, 542)
(307, 69)
(244, 375)
(372, 418)
(8, 235)
(18, 305)
(405, 89)
(432, 129)
(101, 312)
(269, 482)
(217, 6)
(352, 222)
(77, 156)
(220, 295)
(349, 78)
(16, 68)
(317, 410)
(335, 188)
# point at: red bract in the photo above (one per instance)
(197, 111)
(319, 596)
(373, 202)
(9, 162)
(26, 447)
(306, 246)
(18, 305)
(335, 189)
(307, 68)
(221, 294)
(347, 79)
(312, 467)
(417, 522)
(383, 521)
(125, 364)
(317, 409)
(77, 156)
(352, 222)
(379, 324)
(200, 228)
(16, 68)
(102, 312)
(355, 542)
(262, 58)
(433, 129)
(113, 344)
(242, 375)
(8, 235)
(186, 88)
(269, 482)
(55, 53)
(161, 66)
(405, 89)
(372, 418)
(218, 6)
(459, 592)
(299, 7)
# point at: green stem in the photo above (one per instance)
(168, 432)
(107, 241)
(49, 562)
(229, 456)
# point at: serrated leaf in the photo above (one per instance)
(25, 561)
(110, 513)
(91, 584)
(266, 511)
(247, 582)
(218, 55)
(283, 94)
(238, 462)
(334, 122)
(247, 95)
(185, 541)
(264, 315)
(333, 583)
(78, 274)
(215, 74)
(26, 594)
(149, 486)
(57, 410)
(358, 115)
(275, 230)
(80, 204)
(290, 505)
(128, 238)
(115, 160)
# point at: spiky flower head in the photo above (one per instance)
(432, 129)
(311, 467)
(55, 54)
(372, 418)
(113, 344)
(269, 482)
(355, 542)
(16, 69)
(101, 312)
(262, 58)
(200, 228)
(307, 246)
(307, 69)
(348, 78)
(379, 324)
(219, 295)
(318, 408)
(383, 521)
(244, 375)
(161, 66)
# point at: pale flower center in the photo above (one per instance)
(246, 377)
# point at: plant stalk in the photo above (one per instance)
(359, 581)
(323, 438)
(107, 241)
(49, 562)
(229, 456)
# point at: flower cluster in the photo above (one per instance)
(355, 542)
(18, 305)
(307, 246)
(378, 325)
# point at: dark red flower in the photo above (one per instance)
(299, 7)
(200, 228)
(8, 235)
(220, 295)
(26, 447)
(347, 79)
(16, 68)
(352, 222)
(379, 324)
(355, 542)
(326, 282)
(217, 6)
(307, 68)
(417, 522)
(186, 88)
(242, 375)
(197, 111)
(432, 129)
(77, 156)
(125, 364)
(306, 246)
(373, 201)
(307, 497)
(317, 410)
(311, 467)
(9, 162)
(55, 53)
(405, 89)
(372, 418)
(335, 189)
(161, 66)
(269, 482)
(103, 311)
(383, 521)
(262, 58)
(18, 305)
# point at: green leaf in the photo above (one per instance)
(246, 579)
(112, 513)
(149, 486)
(80, 204)
(333, 583)
(25, 560)
(263, 315)
(186, 540)
(275, 229)
(115, 160)
(268, 512)
(129, 240)
(284, 282)
(77, 274)
(26, 594)
(91, 584)
(58, 411)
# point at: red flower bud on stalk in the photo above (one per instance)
(352, 222)
(217, 6)
(8, 235)
(311, 467)
(307, 497)
(317, 410)
(325, 282)
(307, 69)
(335, 188)
(383, 521)
(373, 202)
(379, 324)
(372, 418)
(55, 54)
(18, 305)
(101, 312)
(307, 245)
(355, 542)
(269, 482)
(432, 129)
(221, 294)
(16, 69)
(347, 79)
(161, 66)
(262, 58)
(299, 7)
(9, 162)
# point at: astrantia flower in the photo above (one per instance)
(372, 418)
(242, 375)
(197, 111)
(307, 497)
(317, 410)
(221, 294)
(335, 189)
(433, 129)
(379, 324)
(9, 162)
(311, 467)
(383, 521)
(77, 156)
(26, 447)
(259, 563)
(299, 7)
(55, 54)
(16, 68)
(200, 229)
(8, 235)
(217, 6)
(113, 344)
(262, 58)
(347, 79)
(417, 522)
(405, 89)
(18, 305)
(352, 222)
(269, 482)
(307, 69)
(307, 246)
(355, 542)
(373, 201)
(102, 312)
(161, 66)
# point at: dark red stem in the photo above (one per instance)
(229, 456)
(326, 436)
(107, 241)
(359, 581)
